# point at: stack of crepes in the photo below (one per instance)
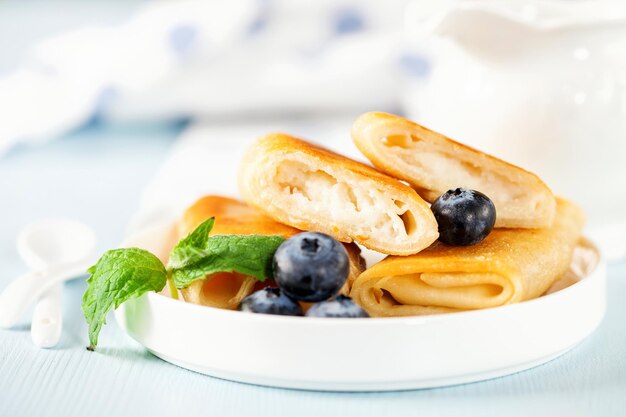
(532, 246)
(292, 185)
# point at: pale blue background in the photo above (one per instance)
(96, 175)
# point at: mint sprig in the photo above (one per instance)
(122, 274)
(198, 255)
(119, 275)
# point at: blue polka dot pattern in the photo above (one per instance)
(183, 39)
(348, 21)
(415, 65)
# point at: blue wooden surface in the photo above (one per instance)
(96, 175)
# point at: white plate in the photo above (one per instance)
(378, 354)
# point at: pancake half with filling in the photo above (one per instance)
(434, 164)
(311, 188)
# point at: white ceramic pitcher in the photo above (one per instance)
(539, 83)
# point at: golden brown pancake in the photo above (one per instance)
(227, 289)
(509, 266)
(311, 188)
(434, 164)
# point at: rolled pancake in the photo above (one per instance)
(311, 188)
(227, 289)
(509, 266)
(434, 164)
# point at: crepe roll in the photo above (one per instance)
(509, 266)
(434, 164)
(233, 217)
(227, 289)
(314, 189)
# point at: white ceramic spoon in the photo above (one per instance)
(56, 250)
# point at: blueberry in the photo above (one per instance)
(341, 306)
(311, 266)
(270, 301)
(465, 217)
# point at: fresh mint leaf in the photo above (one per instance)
(190, 247)
(247, 254)
(119, 275)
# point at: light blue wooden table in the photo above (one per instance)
(96, 175)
